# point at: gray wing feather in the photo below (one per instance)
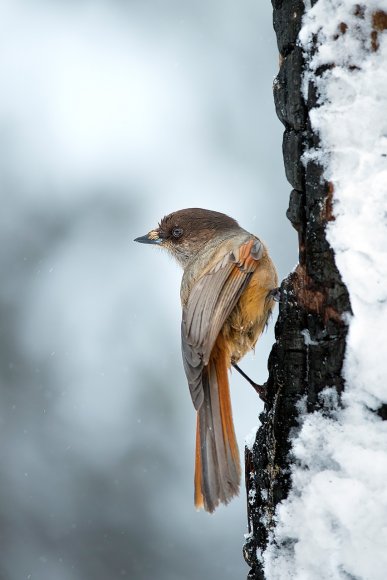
(210, 303)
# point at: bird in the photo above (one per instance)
(227, 295)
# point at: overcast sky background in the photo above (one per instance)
(113, 114)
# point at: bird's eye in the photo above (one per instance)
(177, 232)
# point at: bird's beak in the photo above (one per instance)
(151, 238)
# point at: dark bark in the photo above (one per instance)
(310, 332)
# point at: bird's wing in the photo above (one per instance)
(210, 302)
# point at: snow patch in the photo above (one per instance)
(250, 438)
(307, 338)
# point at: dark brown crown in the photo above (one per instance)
(194, 222)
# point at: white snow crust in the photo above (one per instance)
(333, 525)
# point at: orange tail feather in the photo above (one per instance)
(217, 465)
(199, 501)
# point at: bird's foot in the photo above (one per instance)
(275, 294)
(260, 389)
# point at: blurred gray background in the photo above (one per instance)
(113, 114)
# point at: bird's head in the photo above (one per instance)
(183, 233)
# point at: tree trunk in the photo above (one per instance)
(310, 331)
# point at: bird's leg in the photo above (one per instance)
(260, 389)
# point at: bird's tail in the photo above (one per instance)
(217, 464)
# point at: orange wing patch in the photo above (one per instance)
(249, 254)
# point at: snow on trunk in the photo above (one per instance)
(334, 522)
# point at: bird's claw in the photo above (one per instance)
(261, 390)
(275, 294)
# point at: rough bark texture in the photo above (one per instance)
(310, 332)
